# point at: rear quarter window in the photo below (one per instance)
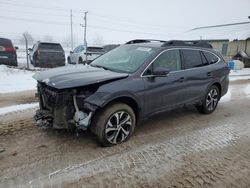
(211, 58)
(192, 58)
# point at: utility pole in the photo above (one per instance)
(27, 52)
(85, 34)
(71, 28)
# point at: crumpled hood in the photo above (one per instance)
(76, 76)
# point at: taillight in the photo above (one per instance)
(10, 49)
(37, 53)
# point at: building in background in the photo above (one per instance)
(232, 40)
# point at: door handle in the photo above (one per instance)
(209, 74)
(181, 79)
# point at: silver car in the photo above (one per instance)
(78, 55)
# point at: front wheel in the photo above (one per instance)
(211, 100)
(114, 125)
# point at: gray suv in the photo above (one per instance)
(45, 54)
(130, 83)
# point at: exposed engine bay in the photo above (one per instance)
(64, 109)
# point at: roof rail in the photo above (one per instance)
(199, 43)
(144, 41)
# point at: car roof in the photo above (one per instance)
(50, 43)
(5, 39)
(159, 46)
(170, 44)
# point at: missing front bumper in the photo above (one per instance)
(43, 119)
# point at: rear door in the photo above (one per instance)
(162, 93)
(199, 74)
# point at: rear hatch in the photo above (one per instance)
(51, 52)
(7, 51)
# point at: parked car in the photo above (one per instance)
(7, 52)
(110, 47)
(242, 56)
(129, 84)
(78, 56)
(45, 54)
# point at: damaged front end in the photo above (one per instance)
(64, 109)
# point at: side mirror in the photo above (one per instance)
(16, 48)
(161, 71)
(29, 49)
(71, 52)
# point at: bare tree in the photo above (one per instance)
(98, 40)
(67, 42)
(29, 37)
(48, 38)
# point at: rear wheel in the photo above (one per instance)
(114, 125)
(211, 100)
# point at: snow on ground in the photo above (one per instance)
(16, 108)
(14, 80)
(227, 97)
(243, 74)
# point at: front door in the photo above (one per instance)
(165, 92)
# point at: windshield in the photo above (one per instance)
(127, 58)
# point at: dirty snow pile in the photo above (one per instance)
(243, 74)
(14, 80)
(15, 108)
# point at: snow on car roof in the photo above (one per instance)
(235, 31)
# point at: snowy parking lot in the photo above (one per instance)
(175, 149)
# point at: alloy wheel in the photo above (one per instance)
(212, 99)
(118, 127)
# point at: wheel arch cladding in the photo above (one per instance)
(126, 100)
(218, 85)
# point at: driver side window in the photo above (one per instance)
(170, 59)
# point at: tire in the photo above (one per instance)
(80, 61)
(105, 126)
(35, 63)
(69, 61)
(210, 101)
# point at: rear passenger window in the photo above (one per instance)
(192, 58)
(211, 58)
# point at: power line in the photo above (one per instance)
(67, 24)
(133, 22)
(32, 13)
(126, 31)
(36, 7)
(35, 20)
(97, 15)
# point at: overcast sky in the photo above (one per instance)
(114, 21)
